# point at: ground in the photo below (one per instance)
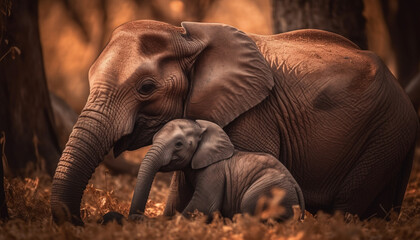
(28, 203)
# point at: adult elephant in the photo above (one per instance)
(333, 114)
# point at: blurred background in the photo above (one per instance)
(73, 32)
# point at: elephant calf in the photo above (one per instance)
(221, 178)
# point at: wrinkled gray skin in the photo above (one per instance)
(331, 113)
(65, 118)
(222, 179)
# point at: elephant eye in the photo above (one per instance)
(178, 144)
(147, 87)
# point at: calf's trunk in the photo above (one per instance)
(148, 169)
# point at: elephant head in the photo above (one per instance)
(148, 74)
(180, 144)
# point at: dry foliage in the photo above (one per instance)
(28, 203)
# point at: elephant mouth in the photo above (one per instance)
(166, 167)
(122, 145)
(136, 139)
(132, 141)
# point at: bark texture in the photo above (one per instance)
(3, 207)
(26, 119)
(341, 17)
(4, 13)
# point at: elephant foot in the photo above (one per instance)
(112, 216)
(137, 217)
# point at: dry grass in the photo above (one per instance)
(28, 202)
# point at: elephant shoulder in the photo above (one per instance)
(306, 36)
(314, 55)
(318, 36)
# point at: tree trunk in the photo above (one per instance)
(341, 17)
(403, 21)
(4, 12)
(3, 207)
(26, 119)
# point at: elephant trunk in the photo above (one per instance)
(150, 165)
(88, 143)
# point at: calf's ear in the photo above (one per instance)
(214, 146)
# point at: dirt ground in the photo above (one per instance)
(28, 203)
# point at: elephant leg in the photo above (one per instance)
(263, 186)
(391, 197)
(180, 194)
(376, 184)
(208, 194)
(383, 203)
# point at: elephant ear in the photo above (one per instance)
(229, 74)
(214, 146)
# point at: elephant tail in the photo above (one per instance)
(301, 201)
